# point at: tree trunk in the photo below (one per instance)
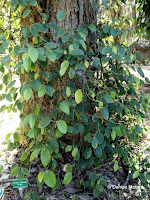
(78, 12)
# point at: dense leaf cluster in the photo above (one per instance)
(93, 105)
(143, 18)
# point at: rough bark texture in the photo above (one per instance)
(77, 12)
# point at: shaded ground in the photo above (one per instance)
(10, 121)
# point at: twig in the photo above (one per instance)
(125, 184)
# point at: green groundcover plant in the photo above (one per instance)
(94, 108)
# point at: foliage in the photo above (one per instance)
(94, 107)
(143, 19)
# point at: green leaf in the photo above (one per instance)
(68, 148)
(140, 72)
(62, 126)
(40, 176)
(94, 142)
(54, 145)
(54, 26)
(51, 55)
(61, 15)
(21, 175)
(42, 92)
(78, 96)
(64, 107)
(92, 27)
(11, 84)
(106, 50)
(32, 2)
(50, 45)
(67, 178)
(27, 195)
(13, 3)
(113, 32)
(136, 174)
(64, 67)
(77, 52)
(15, 171)
(5, 59)
(33, 54)
(107, 98)
(34, 154)
(50, 178)
(26, 13)
(75, 152)
(122, 51)
(116, 166)
(113, 135)
(45, 156)
(114, 49)
(105, 4)
(32, 120)
(84, 118)
(98, 152)
(44, 122)
(117, 130)
(50, 90)
(1, 168)
(96, 63)
(99, 137)
(105, 113)
(16, 137)
(5, 44)
(8, 97)
(68, 91)
(25, 171)
(43, 16)
(88, 153)
(27, 63)
(24, 156)
(32, 133)
(113, 94)
(78, 127)
(35, 84)
(71, 73)
(34, 31)
(68, 167)
(58, 133)
(27, 94)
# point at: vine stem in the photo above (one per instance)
(125, 184)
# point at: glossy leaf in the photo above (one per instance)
(50, 178)
(27, 94)
(64, 67)
(78, 96)
(64, 107)
(44, 122)
(105, 113)
(40, 176)
(34, 154)
(62, 126)
(67, 178)
(45, 156)
(77, 52)
(61, 15)
(33, 54)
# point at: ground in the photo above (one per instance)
(10, 121)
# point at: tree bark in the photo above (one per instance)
(78, 12)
